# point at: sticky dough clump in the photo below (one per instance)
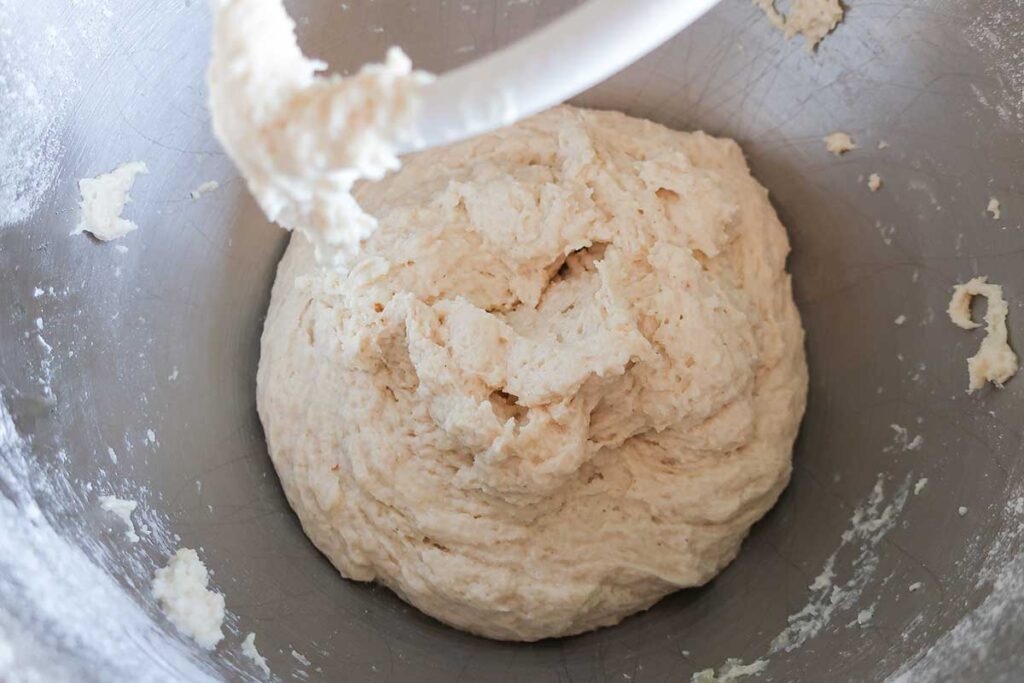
(560, 381)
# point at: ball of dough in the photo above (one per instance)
(562, 379)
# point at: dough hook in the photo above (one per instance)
(578, 50)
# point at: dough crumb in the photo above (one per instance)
(900, 319)
(182, 591)
(993, 208)
(995, 361)
(874, 182)
(205, 188)
(104, 198)
(300, 658)
(919, 485)
(122, 508)
(732, 670)
(839, 143)
(250, 651)
(813, 19)
(883, 144)
(962, 510)
(865, 616)
(916, 586)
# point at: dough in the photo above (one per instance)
(182, 588)
(813, 19)
(874, 182)
(302, 140)
(993, 208)
(995, 361)
(204, 188)
(560, 381)
(839, 143)
(103, 200)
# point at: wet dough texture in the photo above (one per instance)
(561, 380)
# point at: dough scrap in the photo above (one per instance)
(561, 380)
(813, 19)
(839, 143)
(874, 182)
(182, 590)
(994, 209)
(204, 188)
(995, 361)
(104, 198)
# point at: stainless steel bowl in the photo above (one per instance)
(152, 353)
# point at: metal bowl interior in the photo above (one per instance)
(152, 351)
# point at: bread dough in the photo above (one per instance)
(561, 380)
(104, 198)
(813, 19)
(204, 188)
(182, 588)
(874, 182)
(995, 361)
(839, 143)
(302, 140)
(993, 208)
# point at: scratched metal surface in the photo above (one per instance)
(189, 296)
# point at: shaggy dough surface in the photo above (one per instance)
(560, 381)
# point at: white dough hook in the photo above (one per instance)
(551, 65)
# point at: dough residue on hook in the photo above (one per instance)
(300, 139)
(995, 361)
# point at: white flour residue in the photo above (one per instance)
(250, 651)
(968, 651)
(844, 576)
(64, 616)
(123, 509)
(44, 46)
(732, 670)
(903, 441)
(831, 594)
(998, 35)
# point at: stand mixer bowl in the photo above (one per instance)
(131, 371)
